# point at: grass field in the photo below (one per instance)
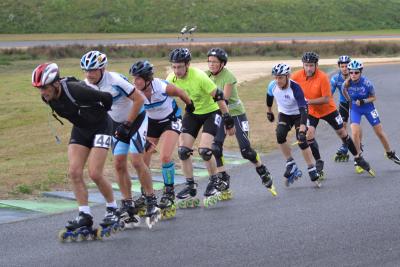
(30, 159)
(169, 16)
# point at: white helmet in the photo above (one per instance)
(45, 74)
(93, 60)
(355, 65)
(281, 69)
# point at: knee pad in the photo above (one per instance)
(217, 150)
(184, 152)
(205, 153)
(281, 133)
(303, 145)
(249, 154)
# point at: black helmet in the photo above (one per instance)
(180, 55)
(310, 57)
(344, 60)
(143, 69)
(219, 53)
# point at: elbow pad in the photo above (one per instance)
(219, 95)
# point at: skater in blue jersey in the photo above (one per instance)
(292, 108)
(361, 93)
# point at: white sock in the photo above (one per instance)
(85, 209)
(112, 205)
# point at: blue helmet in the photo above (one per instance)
(143, 69)
(281, 69)
(93, 60)
(180, 55)
(344, 60)
(355, 65)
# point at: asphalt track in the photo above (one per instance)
(199, 40)
(351, 221)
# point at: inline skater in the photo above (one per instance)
(165, 123)
(90, 140)
(129, 128)
(224, 79)
(292, 108)
(360, 92)
(209, 103)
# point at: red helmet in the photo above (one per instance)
(45, 74)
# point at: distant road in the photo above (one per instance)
(172, 41)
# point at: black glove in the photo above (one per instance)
(362, 102)
(123, 132)
(228, 121)
(270, 116)
(189, 108)
(302, 137)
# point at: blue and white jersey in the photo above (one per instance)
(290, 99)
(336, 83)
(120, 89)
(160, 105)
(361, 89)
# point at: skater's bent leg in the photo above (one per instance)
(313, 143)
(122, 175)
(382, 137)
(96, 161)
(286, 150)
(206, 153)
(355, 130)
(143, 172)
(77, 156)
(184, 152)
(308, 157)
(168, 139)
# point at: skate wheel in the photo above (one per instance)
(196, 202)
(99, 235)
(371, 172)
(273, 191)
(62, 235)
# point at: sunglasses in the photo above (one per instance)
(354, 72)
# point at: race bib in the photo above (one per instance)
(177, 125)
(217, 120)
(102, 140)
(339, 119)
(245, 126)
(374, 114)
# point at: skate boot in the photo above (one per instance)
(187, 197)
(79, 229)
(153, 213)
(223, 187)
(392, 156)
(167, 203)
(319, 165)
(292, 173)
(358, 169)
(129, 214)
(342, 154)
(140, 205)
(212, 194)
(314, 176)
(365, 165)
(110, 224)
(266, 179)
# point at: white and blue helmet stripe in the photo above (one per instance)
(93, 60)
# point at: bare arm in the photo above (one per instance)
(138, 100)
(172, 90)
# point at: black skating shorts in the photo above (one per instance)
(100, 136)
(192, 123)
(156, 128)
(333, 119)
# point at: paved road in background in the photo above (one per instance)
(353, 220)
(172, 41)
